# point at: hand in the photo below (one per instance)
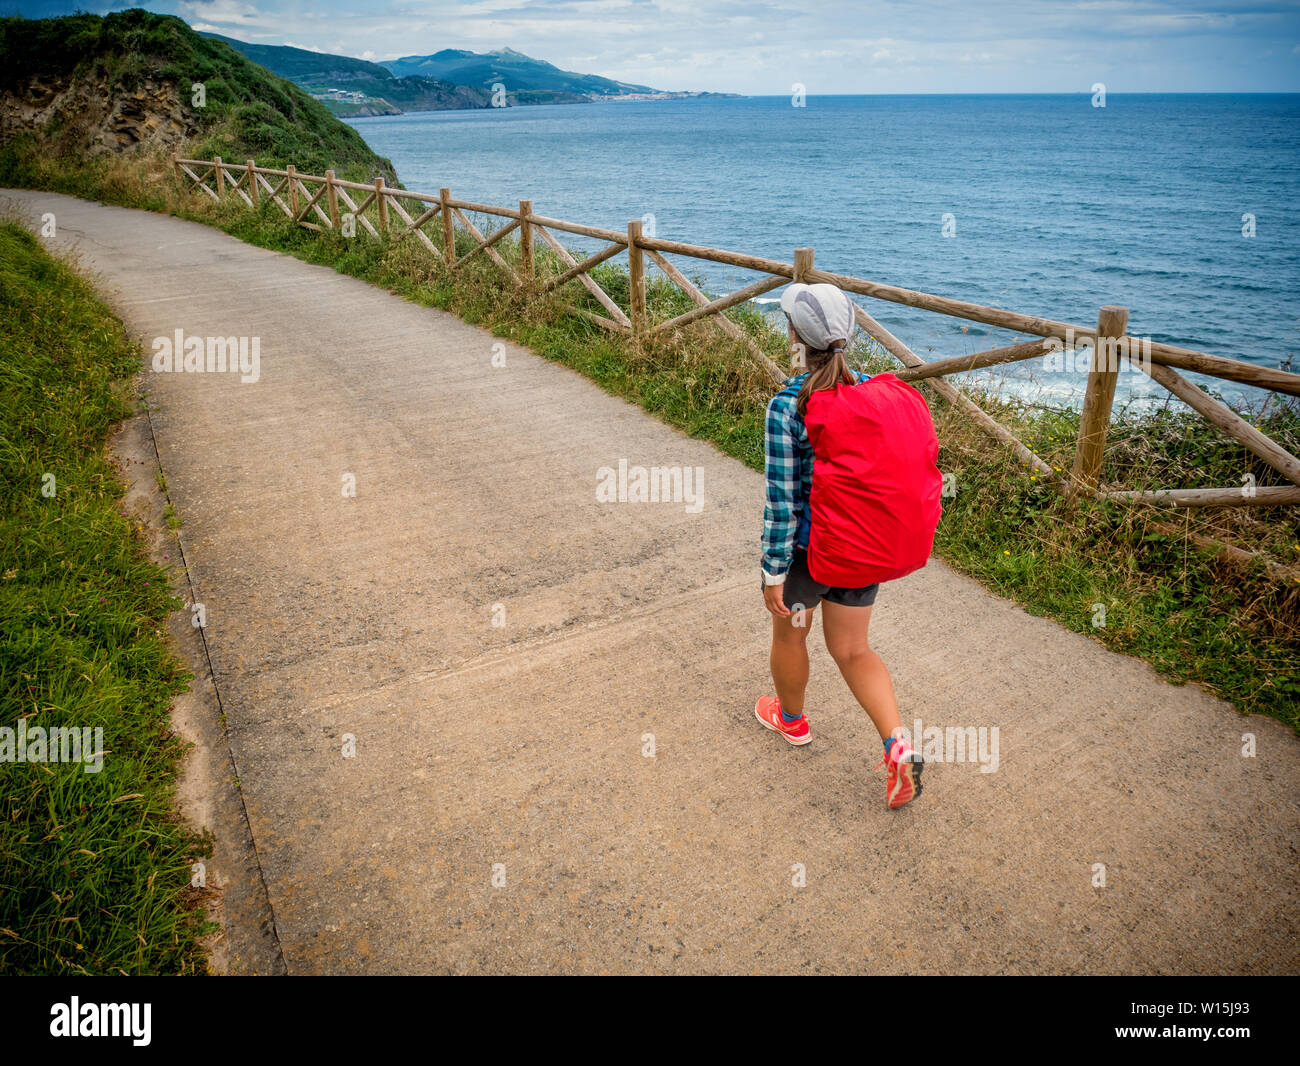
(774, 600)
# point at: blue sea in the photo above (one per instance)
(1055, 206)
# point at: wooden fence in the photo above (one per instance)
(400, 215)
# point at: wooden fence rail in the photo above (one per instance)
(1109, 341)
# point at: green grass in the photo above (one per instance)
(94, 867)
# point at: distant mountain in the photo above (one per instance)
(516, 71)
(452, 78)
(318, 72)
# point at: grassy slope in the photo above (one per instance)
(249, 111)
(94, 867)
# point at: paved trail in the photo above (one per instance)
(522, 745)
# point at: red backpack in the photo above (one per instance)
(875, 486)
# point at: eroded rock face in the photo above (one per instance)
(108, 118)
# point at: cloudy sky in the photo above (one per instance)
(765, 46)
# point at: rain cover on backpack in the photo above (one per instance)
(875, 486)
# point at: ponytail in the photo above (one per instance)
(827, 369)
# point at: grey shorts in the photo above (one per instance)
(802, 592)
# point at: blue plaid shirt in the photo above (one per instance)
(786, 521)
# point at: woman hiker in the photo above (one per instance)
(820, 319)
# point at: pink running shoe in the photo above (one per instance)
(768, 711)
(904, 768)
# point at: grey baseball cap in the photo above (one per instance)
(819, 313)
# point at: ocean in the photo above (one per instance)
(1042, 204)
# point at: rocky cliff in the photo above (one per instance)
(103, 118)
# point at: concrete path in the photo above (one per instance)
(517, 750)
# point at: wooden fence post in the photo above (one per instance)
(252, 183)
(1094, 422)
(448, 229)
(381, 203)
(526, 241)
(332, 195)
(176, 166)
(293, 189)
(636, 277)
(803, 262)
(221, 178)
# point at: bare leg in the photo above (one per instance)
(789, 659)
(845, 629)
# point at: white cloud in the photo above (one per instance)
(227, 13)
(845, 46)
